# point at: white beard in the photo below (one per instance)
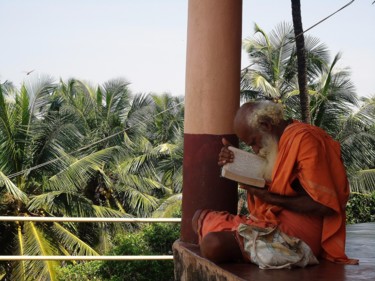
(270, 149)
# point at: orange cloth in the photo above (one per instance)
(305, 227)
(309, 154)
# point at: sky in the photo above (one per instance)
(144, 41)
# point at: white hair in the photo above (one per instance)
(263, 111)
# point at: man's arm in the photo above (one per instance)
(301, 203)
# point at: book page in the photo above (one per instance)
(247, 168)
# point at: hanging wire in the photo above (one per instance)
(319, 22)
(90, 145)
(311, 27)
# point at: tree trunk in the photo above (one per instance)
(301, 60)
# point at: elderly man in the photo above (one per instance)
(305, 195)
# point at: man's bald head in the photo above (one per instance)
(260, 125)
(254, 114)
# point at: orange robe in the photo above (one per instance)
(309, 154)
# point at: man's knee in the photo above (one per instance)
(211, 246)
(220, 247)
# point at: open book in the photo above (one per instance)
(247, 168)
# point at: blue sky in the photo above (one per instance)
(144, 41)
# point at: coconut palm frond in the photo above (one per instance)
(53, 137)
(136, 164)
(170, 168)
(264, 36)
(363, 181)
(81, 96)
(77, 100)
(37, 243)
(138, 115)
(357, 153)
(39, 90)
(168, 206)
(141, 203)
(78, 173)
(113, 228)
(366, 112)
(61, 203)
(71, 242)
(116, 97)
(139, 159)
(12, 188)
(138, 193)
(19, 271)
(138, 182)
(263, 85)
(283, 46)
(274, 64)
(104, 212)
(9, 153)
(164, 149)
(317, 56)
(105, 243)
(334, 98)
(357, 138)
(167, 112)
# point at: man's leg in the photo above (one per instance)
(221, 247)
(218, 245)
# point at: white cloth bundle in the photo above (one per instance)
(270, 248)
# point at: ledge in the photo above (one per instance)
(190, 265)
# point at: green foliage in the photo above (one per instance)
(360, 208)
(152, 239)
(135, 244)
(160, 237)
(98, 153)
(86, 271)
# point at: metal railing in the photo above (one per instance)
(89, 219)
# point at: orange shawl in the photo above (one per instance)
(309, 154)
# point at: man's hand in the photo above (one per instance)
(301, 203)
(225, 155)
(261, 193)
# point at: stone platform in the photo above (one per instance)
(191, 266)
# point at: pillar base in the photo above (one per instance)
(190, 265)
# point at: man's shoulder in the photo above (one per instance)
(297, 127)
(300, 133)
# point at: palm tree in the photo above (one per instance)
(168, 115)
(273, 63)
(167, 128)
(144, 128)
(301, 59)
(79, 150)
(333, 99)
(21, 114)
(357, 138)
(152, 169)
(38, 125)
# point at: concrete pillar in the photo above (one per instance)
(211, 100)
